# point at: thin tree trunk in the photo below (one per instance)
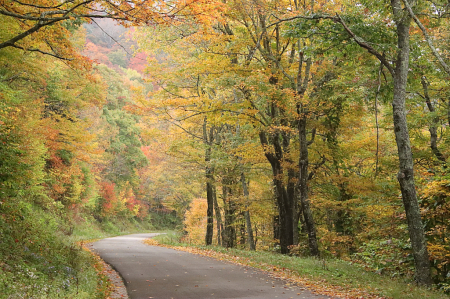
(406, 168)
(434, 123)
(218, 214)
(250, 239)
(405, 175)
(209, 174)
(376, 120)
(210, 206)
(295, 221)
(448, 112)
(303, 170)
(243, 230)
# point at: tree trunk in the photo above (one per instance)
(229, 231)
(243, 230)
(284, 209)
(250, 239)
(406, 171)
(285, 225)
(209, 174)
(276, 226)
(405, 175)
(218, 214)
(303, 188)
(448, 112)
(434, 123)
(210, 206)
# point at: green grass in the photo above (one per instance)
(170, 238)
(336, 273)
(39, 261)
(91, 229)
(340, 273)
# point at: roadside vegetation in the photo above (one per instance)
(39, 259)
(330, 276)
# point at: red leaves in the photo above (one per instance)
(109, 196)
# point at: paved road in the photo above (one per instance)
(158, 272)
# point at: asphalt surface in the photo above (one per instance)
(158, 272)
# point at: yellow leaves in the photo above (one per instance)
(195, 221)
(379, 212)
(151, 242)
(439, 253)
(437, 188)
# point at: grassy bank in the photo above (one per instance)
(332, 276)
(41, 256)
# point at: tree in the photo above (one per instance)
(399, 71)
(45, 24)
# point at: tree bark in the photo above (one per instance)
(218, 214)
(285, 224)
(210, 206)
(209, 174)
(399, 71)
(250, 239)
(229, 231)
(406, 168)
(303, 188)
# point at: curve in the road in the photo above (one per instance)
(158, 272)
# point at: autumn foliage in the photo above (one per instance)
(265, 125)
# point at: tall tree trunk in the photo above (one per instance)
(303, 189)
(276, 226)
(448, 112)
(209, 174)
(406, 171)
(250, 239)
(291, 191)
(301, 85)
(285, 224)
(405, 176)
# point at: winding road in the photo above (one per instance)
(158, 272)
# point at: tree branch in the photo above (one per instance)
(360, 41)
(427, 37)
(363, 44)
